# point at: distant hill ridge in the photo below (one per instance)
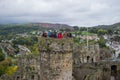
(113, 26)
(51, 25)
(117, 24)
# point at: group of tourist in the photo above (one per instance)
(54, 34)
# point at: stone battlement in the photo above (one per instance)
(53, 44)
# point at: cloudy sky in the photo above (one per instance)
(72, 12)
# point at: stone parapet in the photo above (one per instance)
(56, 58)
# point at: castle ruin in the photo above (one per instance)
(55, 59)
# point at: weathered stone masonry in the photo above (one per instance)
(56, 59)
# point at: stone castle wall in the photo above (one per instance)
(56, 59)
(28, 68)
(81, 55)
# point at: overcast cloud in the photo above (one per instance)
(72, 12)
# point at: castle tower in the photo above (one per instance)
(28, 68)
(55, 59)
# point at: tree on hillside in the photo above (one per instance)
(2, 56)
(76, 27)
(110, 31)
(83, 29)
(102, 32)
(93, 30)
(102, 42)
(29, 41)
(4, 65)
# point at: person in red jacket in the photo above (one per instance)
(60, 36)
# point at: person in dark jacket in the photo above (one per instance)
(55, 34)
(44, 34)
(69, 35)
